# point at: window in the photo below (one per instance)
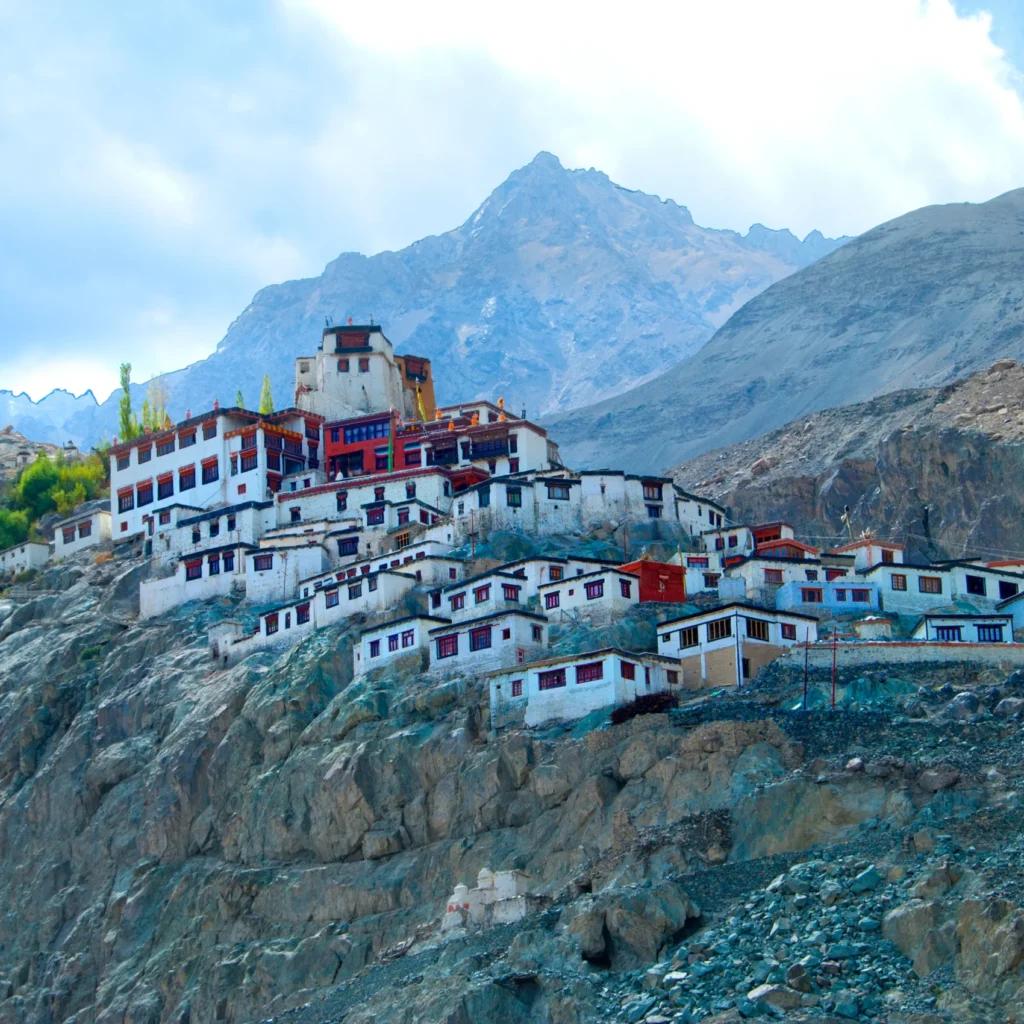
(374, 648)
(342, 368)
(165, 447)
(348, 546)
(688, 637)
(554, 572)
(510, 591)
(193, 570)
(378, 494)
(976, 585)
(342, 500)
(627, 670)
(652, 492)
(145, 494)
(187, 440)
(196, 535)
(757, 629)
(551, 680)
(331, 598)
(697, 562)
(719, 543)
(354, 591)
(215, 528)
(887, 556)
(861, 596)
(898, 581)
(457, 601)
(773, 575)
(950, 634)
(295, 514)
(537, 633)
(186, 478)
(812, 575)
(453, 574)
(403, 516)
(746, 668)
(229, 561)
(590, 673)
(514, 497)
(481, 594)
(929, 584)
(506, 634)
(480, 638)
(559, 492)
(214, 565)
(126, 502)
(68, 535)
(733, 540)
(990, 634)
(812, 595)
(513, 465)
(84, 530)
(393, 642)
(719, 629)
(653, 511)
(374, 516)
(551, 600)
(270, 624)
(248, 463)
(788, 631)
(165, 518)
(145, 455)
(364, 365)
(435, 599)
(834, 574)
(517, 687)
(261, 563)
(448, 646)
(211, 471)
(301, 614)
(209, 430)
(711, 580)
(124, 461)
(840, 594)
(595, 589)
(408, 637)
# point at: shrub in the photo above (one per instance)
(648, 704)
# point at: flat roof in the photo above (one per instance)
(581, 656)
(586, 575)
(223, 510)
(737, 605)
(405, 618)
(494, 615)
(498, 571)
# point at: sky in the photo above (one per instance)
(161, 162)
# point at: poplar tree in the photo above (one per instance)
(129, 426)
(239, 400)
(266, 398)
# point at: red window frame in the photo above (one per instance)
(626, 587)
(551, 600)
(481, 594)
(457, 602)
(480, 638)
(929, 584)
(392, 642)
(261, 563)
(448, 646)
(408, 638)
(332, 598)
(68, 534)
(186, 478)
(270, 624)
(788, 631)
(517, 687)
(812, 595)
(594, 589)
(510, 591)
(861, 596)
(551, 680)
(301, 614)
(627, 669)
(590, 672)
(898, 581)
(374, 648)
(773, 575)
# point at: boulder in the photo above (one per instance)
(934, 780)
(775, 995)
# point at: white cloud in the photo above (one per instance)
(807, 114)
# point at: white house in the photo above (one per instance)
(835, 596)
(914, 589)
(273, 575)
(539, 570)
(870, 551)
(183, 530)
(598, 596)
(961, 628)
(483, 594)
(85, 529)
(499, 640)
(383, 644)
(29, 554)
(728, 645)
(572, 686)
(215, 572)
(221, 457)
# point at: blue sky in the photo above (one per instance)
(162, 161)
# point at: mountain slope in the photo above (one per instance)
(561, 289)
(917, 301)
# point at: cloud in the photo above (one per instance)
(164, 161)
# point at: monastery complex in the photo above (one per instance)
(367, 498)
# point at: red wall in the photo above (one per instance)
(659, 581)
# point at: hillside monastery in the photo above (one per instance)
(364, 496)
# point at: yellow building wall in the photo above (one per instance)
(720, 664)
(424, 380)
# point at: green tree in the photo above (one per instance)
(128, 424)
(154, 408)
(266, 398)
(34, 487)
(239, 400)
(13, 527)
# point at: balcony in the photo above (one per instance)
(489, 449)
(442, 457)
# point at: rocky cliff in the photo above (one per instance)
(915, 302)
(185, 844)
(938, 469)
(561, 289)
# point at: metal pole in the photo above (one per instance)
(807, 652)
(472, 535)
(835, 640)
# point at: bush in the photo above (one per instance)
(648, 704)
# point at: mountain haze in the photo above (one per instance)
(561, 289)
(918, 301)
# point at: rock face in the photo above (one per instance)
(935, 468)
(918, 301)
(561, 289)
(181, 843)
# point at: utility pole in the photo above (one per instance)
(835, 641)
(807, 653)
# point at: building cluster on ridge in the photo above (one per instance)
(356, 500)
